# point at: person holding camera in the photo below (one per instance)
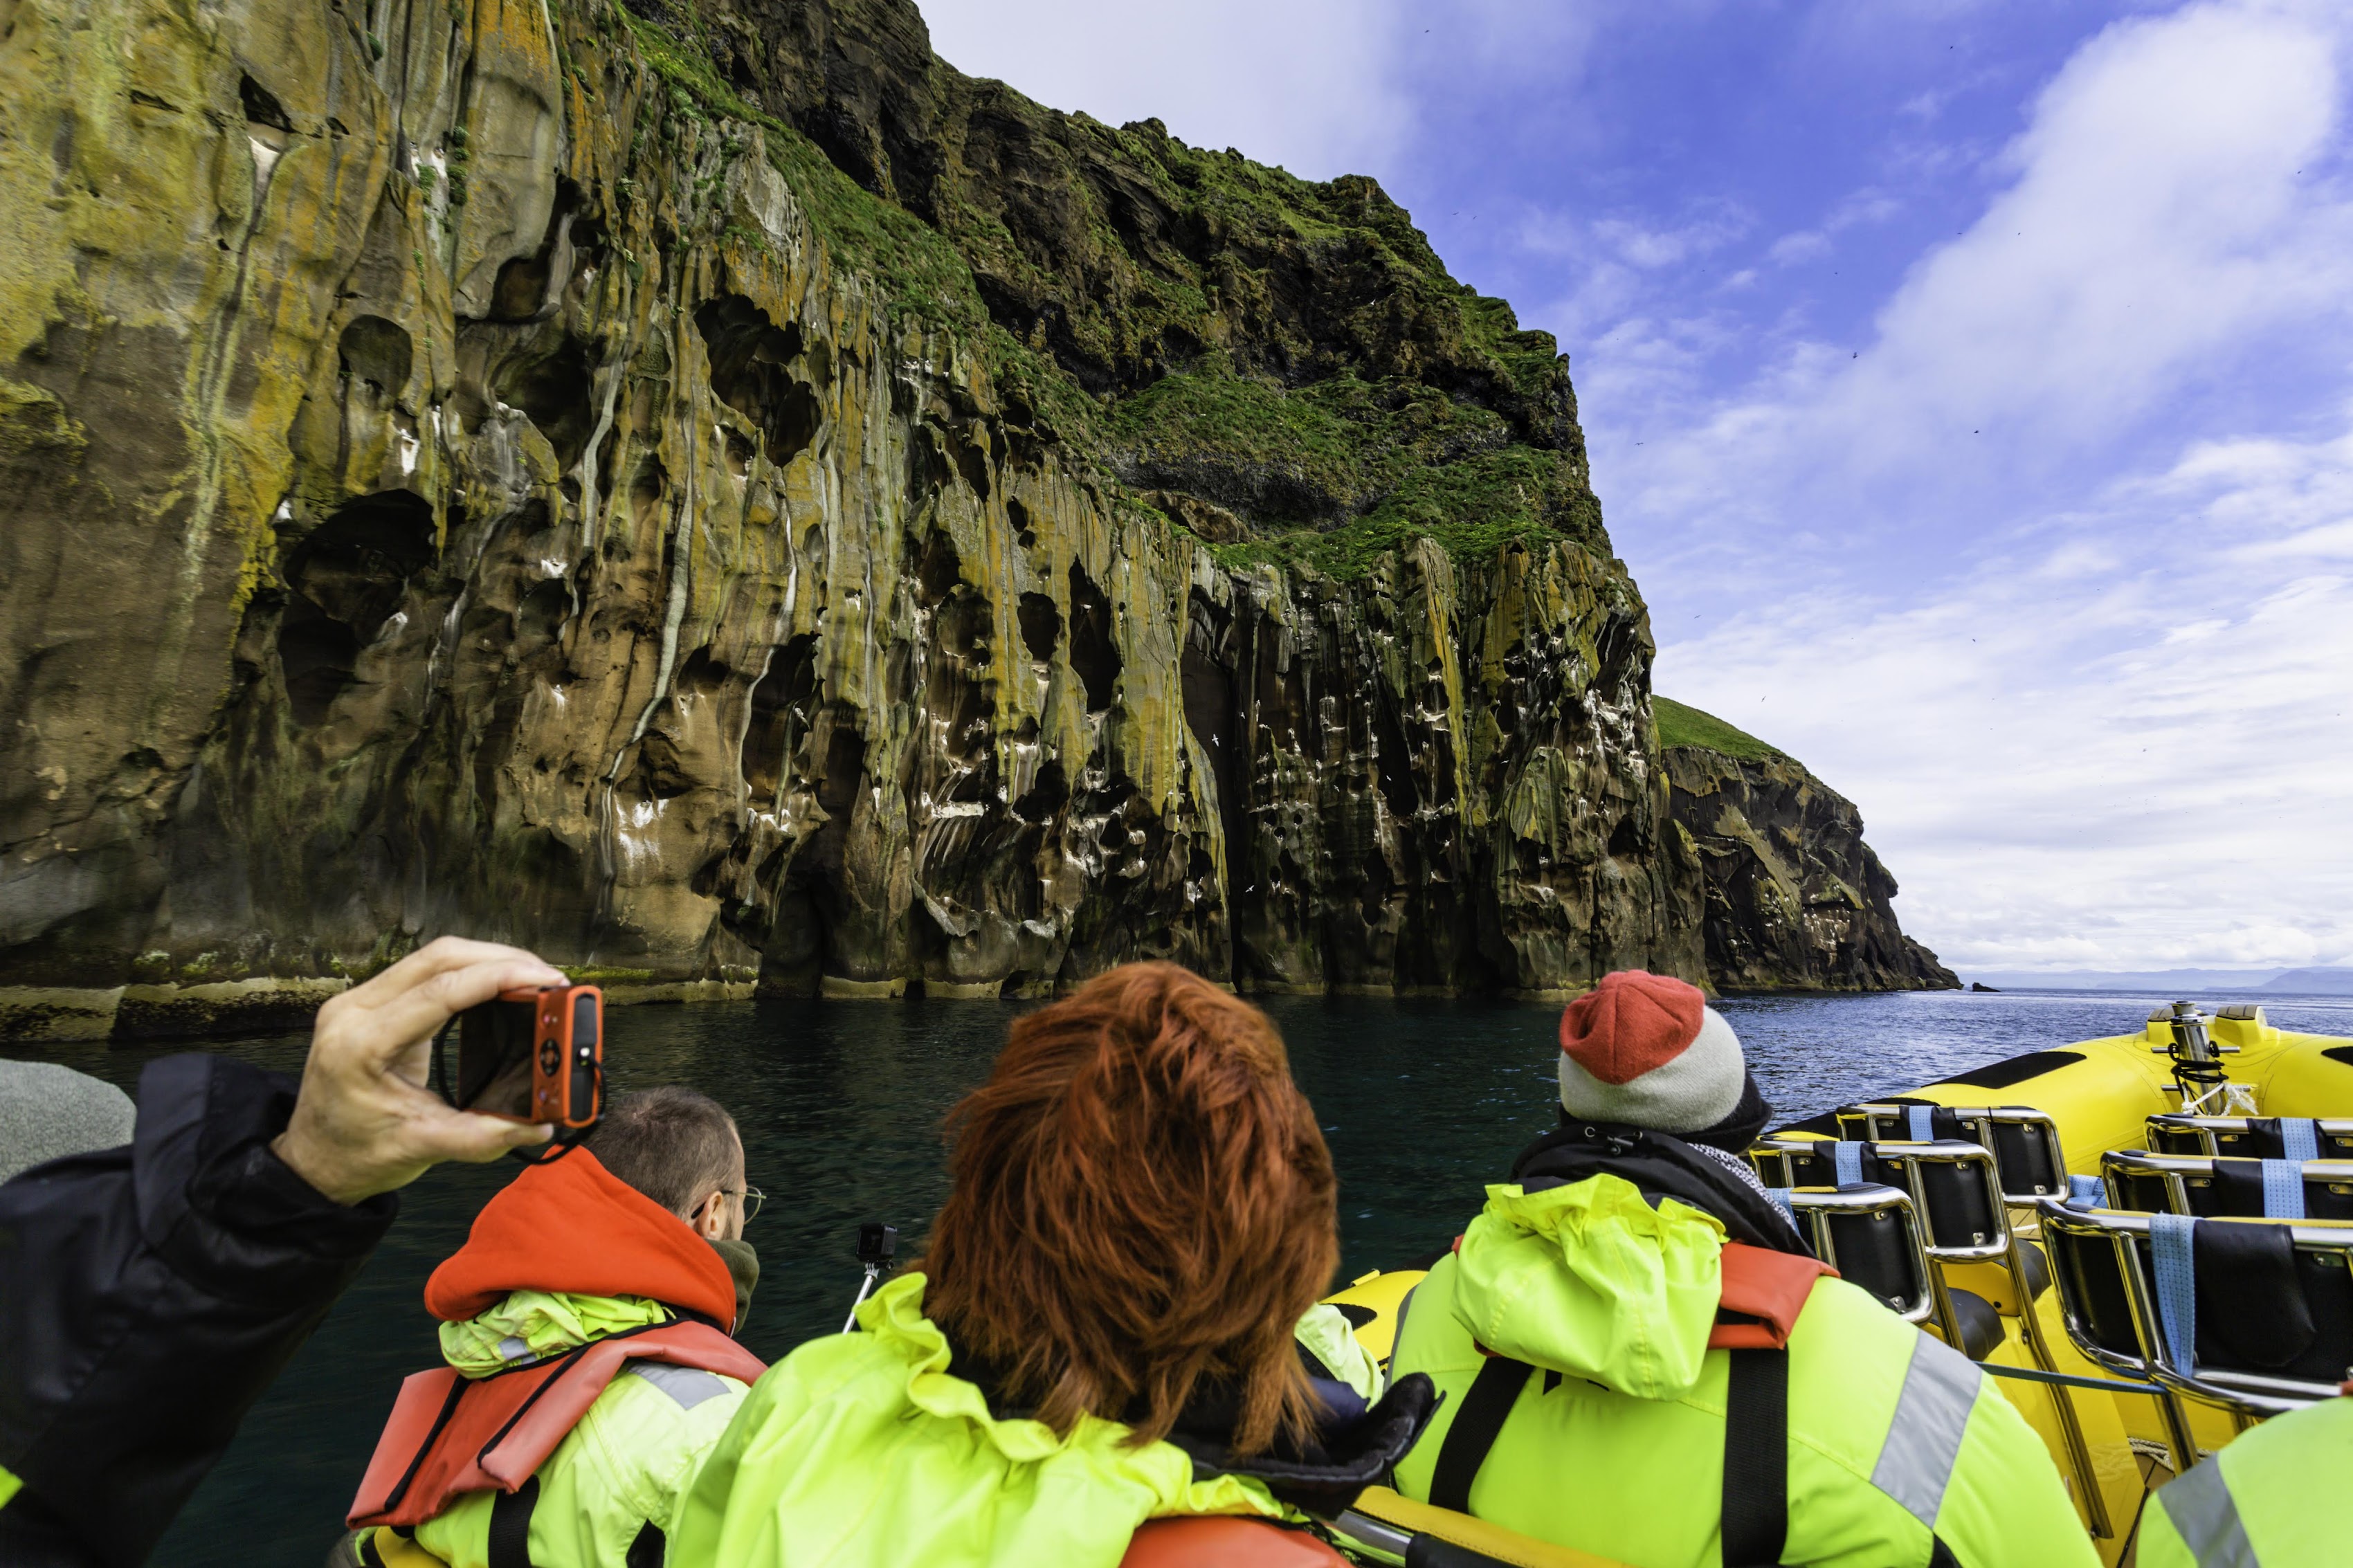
(1100, 1334)
(589, 1371)
(150, 1293)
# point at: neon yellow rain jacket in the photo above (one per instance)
(860, 1451)
(1892, 1436)
(2275, 1497)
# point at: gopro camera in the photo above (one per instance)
(877, 1244)
(529, 1056)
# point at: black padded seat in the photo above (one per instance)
(2035, 1266)
(1981, 1325)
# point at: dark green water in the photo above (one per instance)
(1422, 1102)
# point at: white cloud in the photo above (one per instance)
(1644, 246)
(2013, 575)
(1806, 244)
(2071, 767)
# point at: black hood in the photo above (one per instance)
(1352, 1448)
(1661, 1166)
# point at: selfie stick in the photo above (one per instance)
(875, 1243)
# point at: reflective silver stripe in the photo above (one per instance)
(687, 1384)
(2207, 1517)
(1940, 1388)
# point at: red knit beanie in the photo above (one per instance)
(1646, 1051)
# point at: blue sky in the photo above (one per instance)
(1969, 384)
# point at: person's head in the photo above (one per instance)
(1141, 1202)
(681, 1149)
(1646, 1050)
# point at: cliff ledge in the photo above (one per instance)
(1795, 899)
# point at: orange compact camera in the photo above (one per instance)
(531, 1056)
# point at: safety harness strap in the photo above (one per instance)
(1477, 1425)
(1846, 1162)
(1755, 1508)
(2170, 1250)
(2283, 1189)
(1756, 1459)
(510, 1542)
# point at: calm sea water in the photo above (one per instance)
(1422, 1102)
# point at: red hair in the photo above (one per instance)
(1141, 1201)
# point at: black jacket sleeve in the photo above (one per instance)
(148, 1295)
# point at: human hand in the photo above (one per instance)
(364, 1123)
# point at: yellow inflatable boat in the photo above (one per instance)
(2043, 1215)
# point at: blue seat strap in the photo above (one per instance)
(2171, 1250)
(1780, 1196)
(2283, 1189)
(1846, 1162)
(2299, 1138)
(2086, 1193)
(1924, 1128)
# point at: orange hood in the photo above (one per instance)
(570, 1225)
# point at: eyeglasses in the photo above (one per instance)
(751, 1198)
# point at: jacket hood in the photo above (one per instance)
(1589, 1281)
(532, 1326)
(569, 1227)
(893, 1322)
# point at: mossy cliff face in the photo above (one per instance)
(473, 468)
(1795, 899)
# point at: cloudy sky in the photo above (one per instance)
(1969, 384)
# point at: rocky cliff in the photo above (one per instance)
(1795, 899)
(725, 500)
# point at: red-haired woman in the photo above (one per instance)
(1100, 1333)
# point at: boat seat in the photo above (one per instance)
(2036, 1267)
(1953, 1186)
(2266, 1325)
(1979, 1324)
(1871, 1235)
(2252, 1137)
(2029, 1159)
(2141, 1182)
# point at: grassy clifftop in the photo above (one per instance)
(1218, 338)
(1680, 725)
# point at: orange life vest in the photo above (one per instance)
(1225, 1540)
(1760, 1297)
(450, 1434)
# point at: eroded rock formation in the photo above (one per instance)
(469, 466)
(1795, 899)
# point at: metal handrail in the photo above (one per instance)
(1812, 1207)
(2331, 1129)
(2176, 1169)
(1912, 1158)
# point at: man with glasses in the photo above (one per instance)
(638, 1234)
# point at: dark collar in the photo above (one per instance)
(1661, 1166)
